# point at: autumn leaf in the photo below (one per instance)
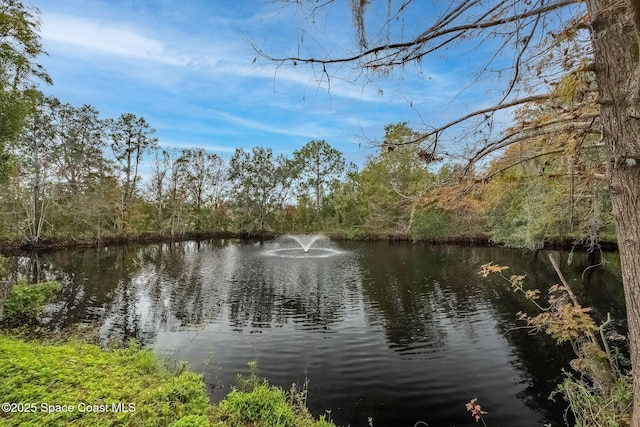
(475, 409)
(490, 267)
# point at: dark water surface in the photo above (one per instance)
(395, 332)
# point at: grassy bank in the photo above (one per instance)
(79, 384)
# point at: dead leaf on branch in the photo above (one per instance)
(475, 409)
(489, 268)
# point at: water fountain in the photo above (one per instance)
(305, 247)
(305, 241)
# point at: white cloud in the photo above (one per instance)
(337, 86)
(209, 147)
(107, 38)
(307, 131)
(215, 57)
(193, 74)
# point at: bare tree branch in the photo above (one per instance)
(533, 157)
(371, 56)
(560, 125)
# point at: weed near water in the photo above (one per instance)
(256, 403)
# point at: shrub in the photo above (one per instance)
(264, 406)
(256, 403)
(26, 302)
(602, 394)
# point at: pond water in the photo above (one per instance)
(384, 333)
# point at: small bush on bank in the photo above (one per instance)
(264, 406)
(431, 224)
(256, 403)
(26, 301)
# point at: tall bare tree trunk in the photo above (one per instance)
(615, 37)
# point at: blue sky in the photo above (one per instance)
(188, 68)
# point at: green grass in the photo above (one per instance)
(45, 377)
(83, 375)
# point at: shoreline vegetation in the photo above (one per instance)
(191, 193)
(48, 244)
(77, 383)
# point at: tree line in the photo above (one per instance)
(74, 175)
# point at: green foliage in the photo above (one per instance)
(350, 212)
(79, 148)
(3, 266)
(261, 183)
(550, 187)
(431, 224)
(61, 184)
(14, 108)
(592, 407)
(131, 138)
(255, 403)
(26, 301)
(392, 186)
(318, 168)
(192, 421)
(263, 406)
(75, 373)
(201, 176)
(519, 218)
(20, 46)
(185, 394)
(398, 136)
(251, 381)
(146, 361)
